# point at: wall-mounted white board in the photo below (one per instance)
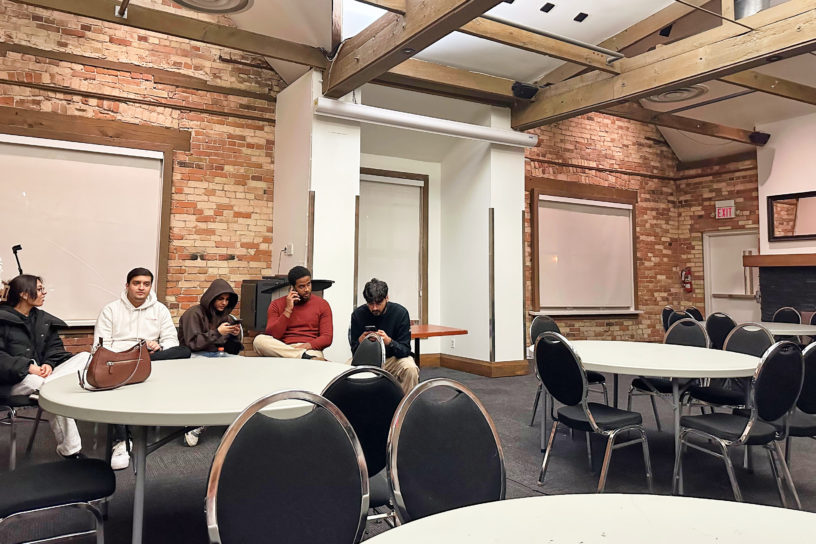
(84, 214)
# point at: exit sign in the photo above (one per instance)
(725, 209)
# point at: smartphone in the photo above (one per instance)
(234, 320)
(370, 328)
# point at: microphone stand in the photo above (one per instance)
(15, 249)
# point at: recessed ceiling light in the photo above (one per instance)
(580, 17)
(547, 7)
(215, 6)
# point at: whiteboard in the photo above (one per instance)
(585, 254)
(85, 215)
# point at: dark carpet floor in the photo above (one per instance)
(177, 475)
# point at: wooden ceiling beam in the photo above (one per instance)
(757, 81)
(393, 38)
(505, 34)
(186, 27)
(635, 112)
(783, 37)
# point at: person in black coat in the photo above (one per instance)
(31, 352)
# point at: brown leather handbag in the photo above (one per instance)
(108, 369)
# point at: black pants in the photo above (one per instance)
(177, 352)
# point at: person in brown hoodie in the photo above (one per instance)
(208, 326)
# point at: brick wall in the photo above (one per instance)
(221, 207)
(674, 208)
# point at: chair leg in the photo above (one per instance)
(729, 467)
(787, 450)
(535, 404)
(677, 476)
(605, 394)
(786, 473)
(34, 431)
(12, 440)
(654, 409)
(777, 477)
(647, 461)
(547, 453)
(589, 449)
(610, 442)
(629, 399)
(747, 461)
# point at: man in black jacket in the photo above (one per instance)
(31, 352)
(391, 322)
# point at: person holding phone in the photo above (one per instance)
(390, 322)
(208, 325)
(298, 325)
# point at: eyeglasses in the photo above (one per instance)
(41, 289)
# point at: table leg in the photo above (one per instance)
(139, 464)
(615, 391)
(416, 351)
(676, 409)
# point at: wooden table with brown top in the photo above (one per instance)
(419, 332)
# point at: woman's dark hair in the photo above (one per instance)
(375, 291)
(298, 272)
(24, 283)
(139, 272)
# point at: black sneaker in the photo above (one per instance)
(306, 356)
(77, 455)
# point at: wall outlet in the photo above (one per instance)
(289, 249)
(452, 343)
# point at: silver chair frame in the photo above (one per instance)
(211, 503)
(788, 445)
(396, 429)
(99, 523)
(378, 339)
(787, 308)
(609, 435)
(777, 460)
(653, 393)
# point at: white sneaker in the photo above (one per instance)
(120, 458)
(191, 437)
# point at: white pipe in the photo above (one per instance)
(410, 121)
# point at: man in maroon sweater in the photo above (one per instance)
(298, 325)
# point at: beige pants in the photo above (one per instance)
(404, 370)
(269, 346)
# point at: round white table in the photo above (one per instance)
(608, 518)
(186, 392)
(789, 329)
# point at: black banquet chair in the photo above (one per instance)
(443, 452)
(787, 314)
(368, 397)
(664, 317)
(565, 379)
(31, 491)
(686, 332)
(294, 480)
(370, 352)
(10, 404)
(718, 325)
(676, 316)
(695, 313)
(543, 323)
(774, 390)
(802, 420)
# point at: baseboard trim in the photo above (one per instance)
(430, 360)
(500, 369)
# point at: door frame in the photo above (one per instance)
(707, 256)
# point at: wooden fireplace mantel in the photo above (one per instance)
(790, 259)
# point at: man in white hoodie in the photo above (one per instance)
(137, 315)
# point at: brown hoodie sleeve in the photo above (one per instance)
(195, 331)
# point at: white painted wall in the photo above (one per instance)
(785, 165)
(434, 172)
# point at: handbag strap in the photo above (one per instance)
(126, 380)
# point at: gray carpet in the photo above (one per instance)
(177, 474)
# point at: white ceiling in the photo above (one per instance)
(309, 22)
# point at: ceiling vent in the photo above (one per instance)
(679, 95)
(215, 6)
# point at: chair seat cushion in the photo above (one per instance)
(606, 417)
(595, 377)
(53, 484)
(16, 401)
(661, 385)
(379, 490)
(717, 395)
(730, 427)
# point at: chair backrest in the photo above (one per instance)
(687, 332)
(807, 398)
(813, 318)
(750, 339)
(368, 397)
(664, 316)
(718, 325)
(443, 453)
(542, 323)
(560, 369)
(370, 352)
(777, 381)
(676, 316)
(297, 480)
(695, 313)
(787, 314)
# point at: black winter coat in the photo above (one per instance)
(18, 347)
